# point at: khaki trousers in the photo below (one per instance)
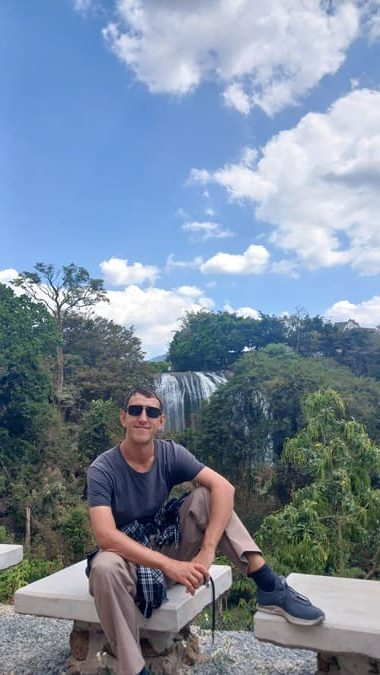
(113, 580)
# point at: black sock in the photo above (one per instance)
(265, 578)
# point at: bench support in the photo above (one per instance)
(347, 664)
(164, 653)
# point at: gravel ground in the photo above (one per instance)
(33, 645)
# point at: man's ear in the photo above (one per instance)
(122, 416)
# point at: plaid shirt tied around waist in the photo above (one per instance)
(161, 530)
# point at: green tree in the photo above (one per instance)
(330, 523)
(214, 341)
(63, 292)
(27, 342)
(76, 533)
(102, 360)
(100, 430)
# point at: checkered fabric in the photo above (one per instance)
(162, 529)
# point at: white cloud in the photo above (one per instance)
(253, 261)
(262, 61)
(318, 185)
(117, 272)
(207, 230)
(173, 264)
(235, 97)
(366, 313)
(7, 275)
(244, 312)
(370, 18)
(155, 313)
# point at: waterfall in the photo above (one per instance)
(183, 393)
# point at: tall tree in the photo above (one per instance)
(62, 291)
(102, 360)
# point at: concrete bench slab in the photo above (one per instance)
(352, 625)
(65, 595)
(10, 554)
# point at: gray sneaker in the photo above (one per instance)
(287, 602)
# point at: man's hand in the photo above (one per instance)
(205, 557)
(190, 574)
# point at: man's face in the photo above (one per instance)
(141, 428)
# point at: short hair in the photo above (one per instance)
(148, 392)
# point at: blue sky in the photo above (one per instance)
(219, 155)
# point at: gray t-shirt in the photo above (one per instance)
(133, 495)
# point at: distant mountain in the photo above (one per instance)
(163, 357)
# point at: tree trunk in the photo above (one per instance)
(27, 529)
(59, 369)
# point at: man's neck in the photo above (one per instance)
(138, 454)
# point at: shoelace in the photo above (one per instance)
(297, 594)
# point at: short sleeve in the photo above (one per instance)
(99, 487)
(185, 466)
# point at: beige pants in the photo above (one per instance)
(113, 580)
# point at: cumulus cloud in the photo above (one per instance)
(7, 275)
(366, 313)
(261, 63)
(154, 312)
(207, 230)
(318, 185)
(244, 312)
(253, 261)
(117, 272)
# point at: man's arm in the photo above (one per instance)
(109, 538)
(222, 504)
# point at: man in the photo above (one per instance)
(127, 485)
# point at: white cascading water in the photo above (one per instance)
(183, 393)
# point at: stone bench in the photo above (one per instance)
(10, 554)
(348, 641)
(65, 595)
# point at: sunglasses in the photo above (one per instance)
(151, 411)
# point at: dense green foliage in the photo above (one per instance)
(214, 341)
(102, 361)
(209, 341)
(332, 524)
(248, 420)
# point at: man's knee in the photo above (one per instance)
(197, 506)
(200, 496)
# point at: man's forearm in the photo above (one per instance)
(127, 548)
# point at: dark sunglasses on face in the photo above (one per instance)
(151, 411)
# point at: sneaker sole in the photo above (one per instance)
(273, 609)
